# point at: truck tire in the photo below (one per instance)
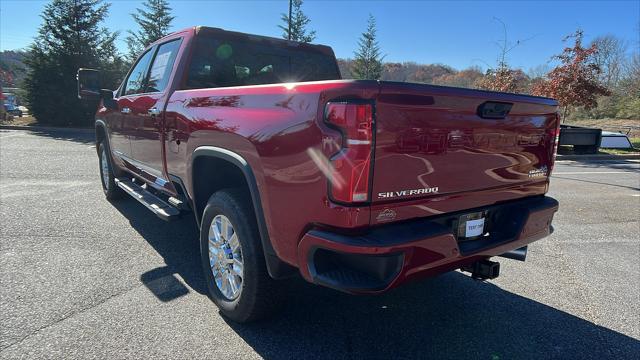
(107, 179)
(233, 260)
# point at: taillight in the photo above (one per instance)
(351, 166)
(555, 138)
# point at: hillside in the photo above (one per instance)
(438, 74)
(12, 67)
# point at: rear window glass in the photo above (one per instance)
(236, 62)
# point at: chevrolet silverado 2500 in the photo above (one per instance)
(359, 186)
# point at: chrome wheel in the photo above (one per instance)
(225, 257)
(104, 165)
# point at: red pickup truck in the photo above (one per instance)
(359, 186)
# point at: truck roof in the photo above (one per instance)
(207, 30)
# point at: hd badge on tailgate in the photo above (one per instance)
(541, 172)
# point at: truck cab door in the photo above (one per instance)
(120, 122)
(146, 117)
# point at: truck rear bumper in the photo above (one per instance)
(389, 255)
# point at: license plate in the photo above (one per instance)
(474, 228)
(471, 225)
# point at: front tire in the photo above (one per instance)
(233, 261)
(107, 179)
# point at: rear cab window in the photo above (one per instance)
(238, 61)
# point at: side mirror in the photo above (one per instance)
(88, 84)
(107, 99)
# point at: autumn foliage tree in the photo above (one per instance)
(502, 79)
(464, 78)
(575, 82)
(6, 79)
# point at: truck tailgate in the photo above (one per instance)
(433, 141)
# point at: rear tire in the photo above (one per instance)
(107, 179)
(257, 295)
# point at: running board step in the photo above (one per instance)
(157, 206)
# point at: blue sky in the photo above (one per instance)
(457, 33)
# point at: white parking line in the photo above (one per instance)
(631, 171)
(8, 135)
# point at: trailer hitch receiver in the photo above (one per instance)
(483, 269)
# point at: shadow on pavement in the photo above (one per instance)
(448, 317)
(451, 316)
(83, 136)
(176, 242)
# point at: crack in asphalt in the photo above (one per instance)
(69, 316)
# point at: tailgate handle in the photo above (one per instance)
(494, 110)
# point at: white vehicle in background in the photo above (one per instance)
(615, 140)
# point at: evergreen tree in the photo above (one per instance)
(154, 22)
(70, 37)
(299, 22)
(368, 61)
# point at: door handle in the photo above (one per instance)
(154, 111)
(178, 136)
(125, 110)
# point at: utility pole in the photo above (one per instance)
(289, 31)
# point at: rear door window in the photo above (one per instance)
(162, 66)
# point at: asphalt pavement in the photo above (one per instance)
(81, 277)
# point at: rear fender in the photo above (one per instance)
(276, 267)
